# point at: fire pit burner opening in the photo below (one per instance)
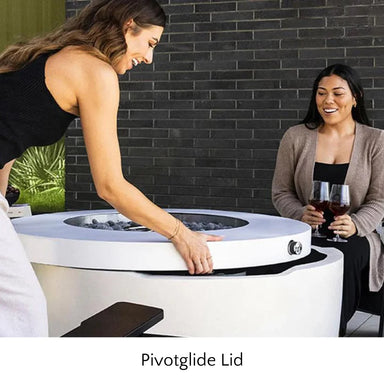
(118, 222)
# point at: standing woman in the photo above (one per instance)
(334, 143)
(45, 84)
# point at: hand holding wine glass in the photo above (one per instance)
(319, 199)
(339, 204)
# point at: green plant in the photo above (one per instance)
(40, 174)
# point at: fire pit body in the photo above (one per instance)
(89, 259)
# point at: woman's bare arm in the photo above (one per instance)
(97, 93)
(4, 176)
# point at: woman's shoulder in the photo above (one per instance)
(74, 76)
(371, 133)
(81, 63)
(299, 132)
(298, 128)
(370, 139)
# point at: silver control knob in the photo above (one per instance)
(294, 247)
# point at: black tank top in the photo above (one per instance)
(29, 115)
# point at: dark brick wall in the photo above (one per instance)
(200, 127)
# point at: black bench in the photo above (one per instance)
(119, 320)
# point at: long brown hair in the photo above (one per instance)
(98, 29)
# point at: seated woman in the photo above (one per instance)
(335, 143)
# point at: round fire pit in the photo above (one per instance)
(85, 261)
(252, 240)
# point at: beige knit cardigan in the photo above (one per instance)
(292, 183)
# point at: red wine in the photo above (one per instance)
(320, 205)
(338, 209)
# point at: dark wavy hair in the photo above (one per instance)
(98, 29)
(313, 118)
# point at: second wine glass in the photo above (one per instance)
(319, 199)
(339, 204)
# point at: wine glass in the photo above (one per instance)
(339, 203)
(319, 199)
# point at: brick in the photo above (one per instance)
(213, 8)
(170, 124)
(231, 114)
(258, 84)
(218, 75)
(349, 42)
(216, 202)
(304, 42)
(229, 36)
(306, 53)
(195, 76)
(189, 114)
(188, 56)
(239, 16)
(261, 124)
(365, 31)
(366, 51)
(186, 37)
(188, 152)
(276, 54)
(349, 21)
(174, 85)
(195, 171)
(259, 64)
(234, 173)
(323, 11)
(174, 104)
(179, 9)
(303, 22)
(216, 46)
(216, 163)
(218, 143)
(302, 4)
(215, 85)
(228, 153)
(223, 56)
(216, 65)
(168, 66)
(258, 104)
(174, 162)
(321, 32)
(189, 18)
(259, 4)
(215, 104)
(213, 124)
(258, 45)
(274, 34)
(348, 2)
(276, 13)
(304, 63)
(258, 24)
(144, 114)
(189, 133)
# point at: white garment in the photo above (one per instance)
(23, 308)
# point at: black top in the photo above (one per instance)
(334, 174)
(29, 115)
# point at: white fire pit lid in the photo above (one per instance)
(264, 240)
